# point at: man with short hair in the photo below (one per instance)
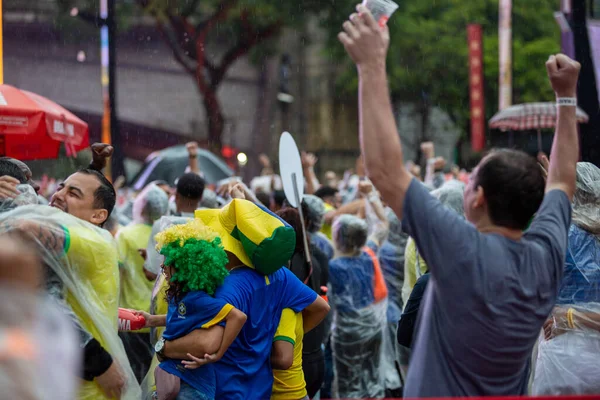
(492, 285)
(190, 188)
(188, 195)
(87, 278)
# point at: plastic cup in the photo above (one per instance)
(381, 10)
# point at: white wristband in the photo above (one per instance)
(566, 102)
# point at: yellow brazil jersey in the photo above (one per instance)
(136, 289)
(289, 384)
(92, 258)
(326, 228)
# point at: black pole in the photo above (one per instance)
(117, 160)
(587, 92)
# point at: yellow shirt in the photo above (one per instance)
(326, 228)
(92, 258)
(136, 290)
(410, 269)
(289, 384)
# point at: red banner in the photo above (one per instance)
(475, 42)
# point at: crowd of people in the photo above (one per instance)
(396, 283)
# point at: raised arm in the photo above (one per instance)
(101, 152)
(367, 45)
(309, 160)
(564, 73)
(192, 148)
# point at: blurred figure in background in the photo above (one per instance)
(136, 287)
(29, 367)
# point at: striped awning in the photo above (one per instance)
(522, 117)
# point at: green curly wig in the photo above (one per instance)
(196, 254)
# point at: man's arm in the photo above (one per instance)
(367, 45)
(314, 314)
(352, 208)
(49, 238)
(194, 165)
(564, 73)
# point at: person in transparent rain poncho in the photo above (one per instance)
(29, 321)
(82, 272)
(568, 359)
(315, 216)
(359, 299)
(136, 285)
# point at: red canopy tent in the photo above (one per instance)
(33, 127)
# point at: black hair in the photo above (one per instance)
(105, 196)
(279, 197)
(292, 217)
(263, 198)
(326, 191)
(191, 186)
(513, 186)
(7, 167)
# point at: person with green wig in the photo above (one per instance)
(194, 267)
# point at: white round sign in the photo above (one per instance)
(290, 164)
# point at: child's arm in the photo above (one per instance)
(153, 321)
(234, 321)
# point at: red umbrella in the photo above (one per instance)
(33, 127)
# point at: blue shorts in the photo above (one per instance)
(187, 392)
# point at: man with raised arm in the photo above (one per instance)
(492, 283)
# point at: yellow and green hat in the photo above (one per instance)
(259, 238)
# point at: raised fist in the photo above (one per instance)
(428, 149)
(563, 73)
(365, 187)
(309, 160)
(192, 148)
(101, 152)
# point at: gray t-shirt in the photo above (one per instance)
(487, 298)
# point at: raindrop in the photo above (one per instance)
(81, 56)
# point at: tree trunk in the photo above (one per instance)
(216, 121)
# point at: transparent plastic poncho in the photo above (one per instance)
(567, 361)
(84, 258)
(359, 320)
(40, 352)
(357, 335)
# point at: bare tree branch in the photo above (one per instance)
(223, 9)
(246, 43)
(172, 43)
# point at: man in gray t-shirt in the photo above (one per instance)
(492, 284)
(487, 298)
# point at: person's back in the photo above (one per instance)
(509, 285)
(245, 371)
